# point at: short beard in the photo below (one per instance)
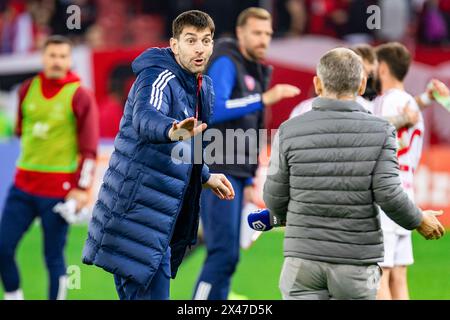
(255, 57)
(54, 76)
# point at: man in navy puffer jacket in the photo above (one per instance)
(147, 209)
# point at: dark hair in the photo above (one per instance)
(57, 39)
(397, 58)
(365, 51)
(195, 18)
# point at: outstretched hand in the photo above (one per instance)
(185, 129)
(431, 228)
(440, 87)
(279, 92)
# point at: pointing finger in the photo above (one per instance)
(435, 213)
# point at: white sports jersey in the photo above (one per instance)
(302, 107)
(409, 143)
(367, 104)
(306, 105)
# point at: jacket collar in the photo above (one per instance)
(325, 104)
(164, 58)
(229, 47)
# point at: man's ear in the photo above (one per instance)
(362, 86)
(174, 45)
(382, 68)
(70, 62)
(238, 33)
(317, 86)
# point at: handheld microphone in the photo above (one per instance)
(262, 220)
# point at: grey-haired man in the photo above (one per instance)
(330, 169)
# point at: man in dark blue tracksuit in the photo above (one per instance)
(147, 209)
(241, 85)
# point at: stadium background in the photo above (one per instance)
(113, 33)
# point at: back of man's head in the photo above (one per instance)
(340, 72)
(366, 52)
(397, 58)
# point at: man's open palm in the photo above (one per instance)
(185, 129)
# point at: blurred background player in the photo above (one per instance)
(394, 61)
(58, 126)
(241, 84)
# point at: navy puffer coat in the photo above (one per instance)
(144, 189)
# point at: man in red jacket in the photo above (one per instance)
(58, 126)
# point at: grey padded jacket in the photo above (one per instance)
(329, 170)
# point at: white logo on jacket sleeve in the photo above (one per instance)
(158, 87)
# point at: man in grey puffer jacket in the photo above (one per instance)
(329, 171)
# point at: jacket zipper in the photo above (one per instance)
(197, 89)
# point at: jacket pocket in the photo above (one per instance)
(132, 196)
